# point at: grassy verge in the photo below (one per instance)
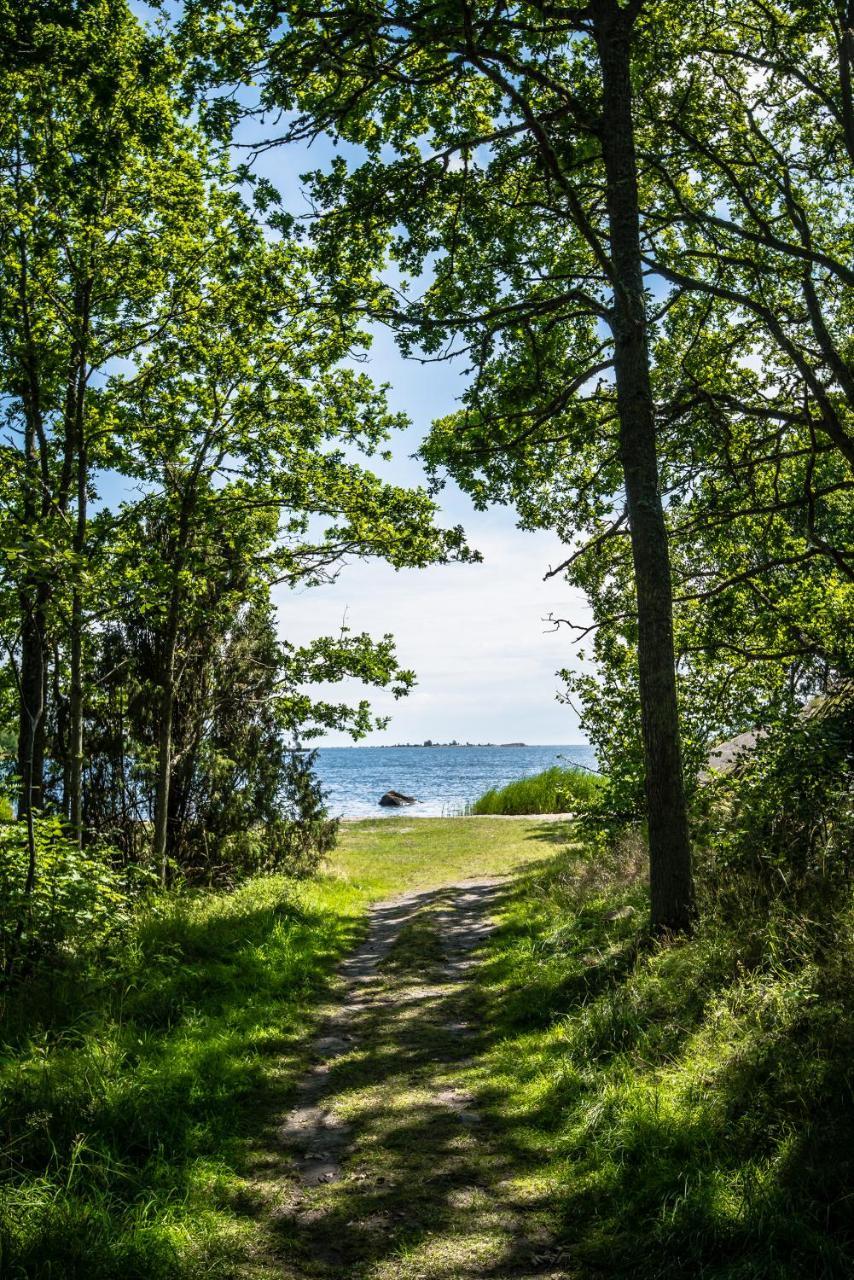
(660, 1111)
(678, 1111)
(556, 790)
(135, 1087)
(131, 1090)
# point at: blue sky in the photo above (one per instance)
(474, 634)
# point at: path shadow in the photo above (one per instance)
(384, 1165)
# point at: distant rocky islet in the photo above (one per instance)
(428, 742)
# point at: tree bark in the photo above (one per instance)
(35, 592)
(75, 736)
(164, 775)
(671, 879)
(75, 744)
(164, 737)
(31, 717)
(846, 59)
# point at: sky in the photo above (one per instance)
(475, 634)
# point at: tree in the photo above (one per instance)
(753, 196)
(227, 422)
(747, 212)
(94, 164)
(154, 327)
(534, 107)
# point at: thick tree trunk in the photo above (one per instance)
(671, 882)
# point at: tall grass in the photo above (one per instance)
(134, 1082)
(688, 1106)
(556, 790)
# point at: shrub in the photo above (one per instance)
(781, 824)
(78, 898)
(556, 790)
(293, 838)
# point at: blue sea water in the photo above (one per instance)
(443, 779)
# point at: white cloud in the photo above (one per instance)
(474, 634)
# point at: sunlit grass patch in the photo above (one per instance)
(386, 856)
(135, 1089)
(131, 1092)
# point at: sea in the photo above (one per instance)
(443, 779)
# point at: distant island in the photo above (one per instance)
(428, 742)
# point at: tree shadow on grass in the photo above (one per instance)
(143, 1084)
(417, 1185)
(671, 1149)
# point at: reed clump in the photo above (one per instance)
(560, 789)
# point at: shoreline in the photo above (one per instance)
(457, 817)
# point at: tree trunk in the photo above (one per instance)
(76, 467)
(34, 594)
(75, 736)
(164, 776)
(59, 749)
(671, 880)
(164, 736)
(75, 744)
(31, 702)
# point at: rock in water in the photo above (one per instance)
(394, 800)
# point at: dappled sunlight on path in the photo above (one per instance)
(384, 1167)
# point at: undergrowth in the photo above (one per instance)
(134, 1082)
(556, 790)
(683, 1109)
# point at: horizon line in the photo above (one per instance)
(361, 746)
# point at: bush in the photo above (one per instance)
(293, 838)
(77, 900)
(556, 790)
(780, 825)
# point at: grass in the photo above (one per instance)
(680, 1110)
(131, 1088)
(383, 856)
(645, 1110)
(556, 790)
(134, 1084)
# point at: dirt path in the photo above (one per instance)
(385, 1167)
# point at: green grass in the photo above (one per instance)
(681, 1110)
(656, 1111)
(384, 856)
(135, 1085)
(556, 790)
(133, 1089)
(417, 948)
